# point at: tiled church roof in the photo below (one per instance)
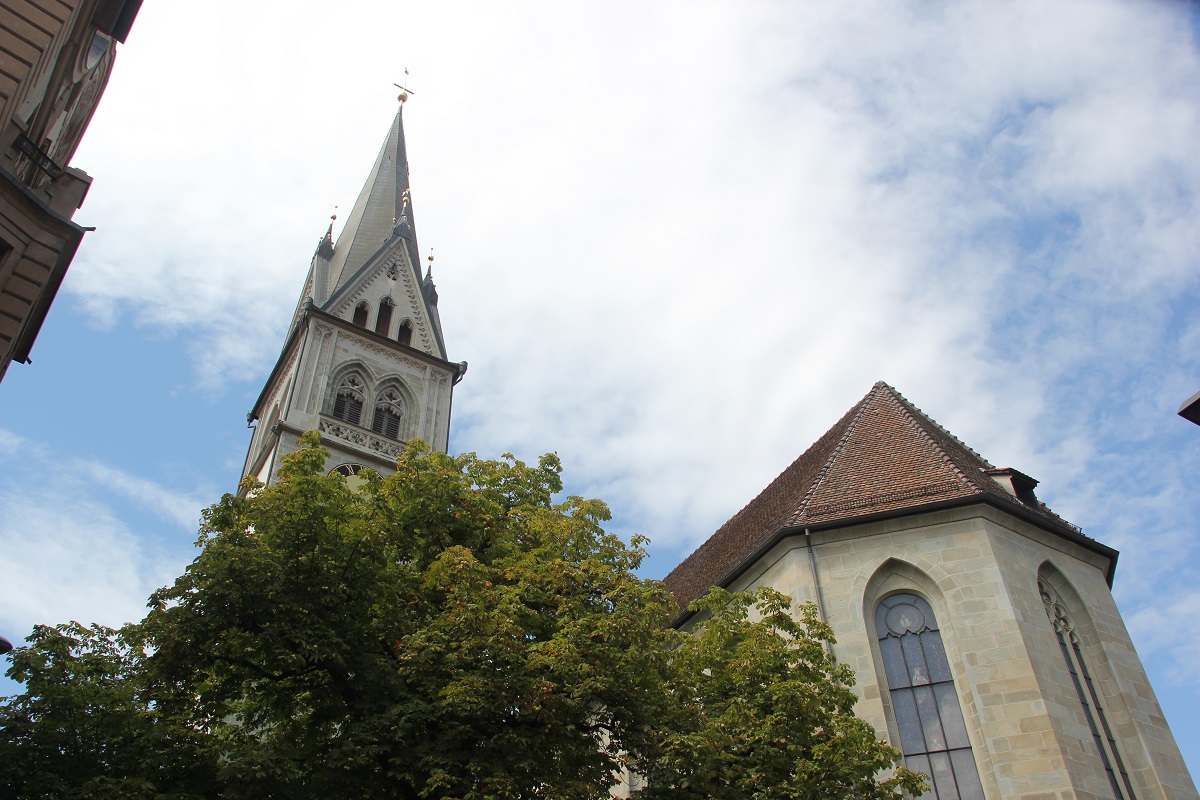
(885, 455)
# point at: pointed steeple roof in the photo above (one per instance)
(325, 246)
(383, 210)
(884, 457)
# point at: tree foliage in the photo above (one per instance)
(763, 711)
(449, 631)
(85, 726)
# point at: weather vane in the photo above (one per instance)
(404, 92)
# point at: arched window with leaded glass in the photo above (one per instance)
(933, 734)
(1071, 646)
(389, 413)
(348, 398)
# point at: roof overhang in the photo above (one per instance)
(1190, 410)
(71, 233)
(1037, 520)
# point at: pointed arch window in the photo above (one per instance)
(1085, 690)
(933, 734)
(389, 413)
(383, 321)
(360, 314)
(348, 401)
(404, 333)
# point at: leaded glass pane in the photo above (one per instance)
(951, 714)
(921, 764)
(907, 719)
(918, 673)
(881, 619)
(893, 663)
(935, 657)
(930, 724)
(905, 618)
(942, 775)
(969, 787)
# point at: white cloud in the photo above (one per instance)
(72, 559)
(68, 548)
(677, 241)
(180, 508)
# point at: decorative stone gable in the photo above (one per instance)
(391, 277)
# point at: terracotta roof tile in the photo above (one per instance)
(884, 455)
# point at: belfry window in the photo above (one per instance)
(348, 402)
(933, 734)
(360, 315)
(384, 319)
(1085, 690)
(404, 333)
(389, 411)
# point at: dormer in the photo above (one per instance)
(1016, 483)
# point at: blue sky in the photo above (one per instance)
(675, 244)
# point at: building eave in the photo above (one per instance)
(1039, 521)
(371, 335)
(72, 235)
(1190, 410)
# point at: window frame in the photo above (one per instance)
(1065, 625)
(349, 398)
(930, 688)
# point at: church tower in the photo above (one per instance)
(980, 625)
(364, 361)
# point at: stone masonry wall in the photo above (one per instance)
(978, 567)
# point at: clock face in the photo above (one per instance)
(350, 473)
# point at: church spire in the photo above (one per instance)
(383, 210)
(364, 362)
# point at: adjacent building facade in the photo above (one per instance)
(980, 625)
(364, 362)
(55, 59)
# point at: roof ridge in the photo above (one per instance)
(837, 452)
(910, 404)
(912, 412)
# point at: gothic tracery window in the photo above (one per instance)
(389, 410)
(404, 333)
(348, 400)
(1085, 690)
(360, 315)
(933, 734)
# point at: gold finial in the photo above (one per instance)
(333, 216)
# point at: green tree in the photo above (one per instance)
(763, 711)
(85, 727)
(449, 631)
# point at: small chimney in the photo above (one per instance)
(1016, 483)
